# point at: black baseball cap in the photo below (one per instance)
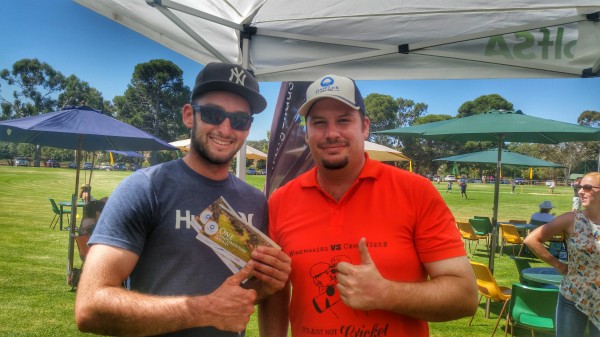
(232, 78)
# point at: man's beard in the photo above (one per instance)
(202, 151)
(335, 165)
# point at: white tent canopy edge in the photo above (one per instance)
(283, 40)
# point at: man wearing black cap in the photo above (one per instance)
(395, 255)
(148, 233)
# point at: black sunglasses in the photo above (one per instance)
(586, 188)
(212, 115)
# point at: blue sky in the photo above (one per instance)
(76, 40)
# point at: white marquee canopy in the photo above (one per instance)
(284, 40)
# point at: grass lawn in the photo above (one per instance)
(34, 297)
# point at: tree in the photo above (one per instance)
(589, 118)
(423, 151)
(153, 99)
(37, 83)
(386, 113)
(592, 149)
(482, 104)
(77, 92)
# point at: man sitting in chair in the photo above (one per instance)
(543, 216)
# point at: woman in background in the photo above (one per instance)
(579, 298)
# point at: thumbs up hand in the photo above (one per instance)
(361, 286)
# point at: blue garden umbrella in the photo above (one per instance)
(128, 154)
(79, 128)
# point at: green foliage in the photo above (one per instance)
(422, 151)
(589, 118)
(385, 113)
(78, 92)
(37, 82)
(153, 100)
(482, 104)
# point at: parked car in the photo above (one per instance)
(21, 161)
(52, 163)
(437, 179)
(518, 181)
(72, 165)
(87, 165)
(251, 170)
(105, 166)
(119, 167)
(450, 177)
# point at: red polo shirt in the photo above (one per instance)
(402, 216)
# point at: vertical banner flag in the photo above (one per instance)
(530, 173)
(288, 154)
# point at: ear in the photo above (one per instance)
(187, 115)
(366, 127)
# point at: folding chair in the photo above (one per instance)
(488, 287)
(468, 234)
(511, 235)
(531, 308)
(482, 227)
(57, 213)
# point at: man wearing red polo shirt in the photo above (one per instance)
(375, 250)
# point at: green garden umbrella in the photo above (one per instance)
(499, 127)
(491, 156)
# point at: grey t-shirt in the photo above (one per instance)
(150, 214)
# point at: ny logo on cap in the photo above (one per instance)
(239, 74)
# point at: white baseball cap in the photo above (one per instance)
(340, 88)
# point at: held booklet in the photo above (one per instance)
(232, 238)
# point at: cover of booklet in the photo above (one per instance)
(220, 228)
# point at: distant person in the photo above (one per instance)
(543, 215)
(463, 188)
(578, 305)
(513, 184)
(85, 193)
(576, 199)
(552, 186)
(449, 186)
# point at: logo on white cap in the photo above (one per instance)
(327, 84)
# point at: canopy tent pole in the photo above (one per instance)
(189, 31)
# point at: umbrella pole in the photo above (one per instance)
(92, 170)
(71, 246)
(494, 239)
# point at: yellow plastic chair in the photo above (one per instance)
(468, 234)
(487, 286)
(511, 235)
